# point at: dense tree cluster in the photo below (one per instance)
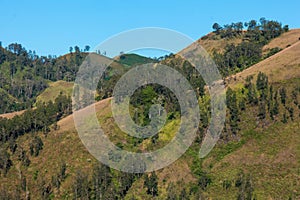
(102, 183)
(235, 58)
(261, 31)
(34, 120)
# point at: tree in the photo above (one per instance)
(36, 146)
(171, 192)
(270, 99)
(12, 145)
(282, 93)
(23, 157)
(183, 195)
(252, 95)
(262, 110)
(275, 107)
(81, 186)
(216, 27)
(71, 49)
(23, 182)
(239, 26)
(63, 168)
(45, 189)
(245, 186)
(295, 97)
(262, 81)
(262, 85)
(150, 182)
(252, 25)
(263, 21)
(101, 179)
(204, 180)
(87, 48)
(233, 110)
(77, 49)
(284, 118)
(291, 113)
(5, 161)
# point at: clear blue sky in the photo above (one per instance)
(51, 27)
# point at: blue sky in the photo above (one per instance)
(51, 27)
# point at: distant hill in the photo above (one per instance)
(133, 59)
(25, 75)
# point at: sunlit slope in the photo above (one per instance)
(284, 65)
(64, 145)
(270, 155)
(54, 89)
(285, 40)
(212, 43)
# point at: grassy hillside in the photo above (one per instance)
(69, 149)
(54, 89)
(268, 152)
(212, 42)
(260, 159)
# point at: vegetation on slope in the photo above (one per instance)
(235, 49)
(256, 158)
(54, 90)
(24, 75)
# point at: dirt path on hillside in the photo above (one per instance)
(12, 114)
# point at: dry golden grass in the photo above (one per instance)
(281, 66)
(286, 39)
(210, 45)
(12, 114)
(67, 123)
